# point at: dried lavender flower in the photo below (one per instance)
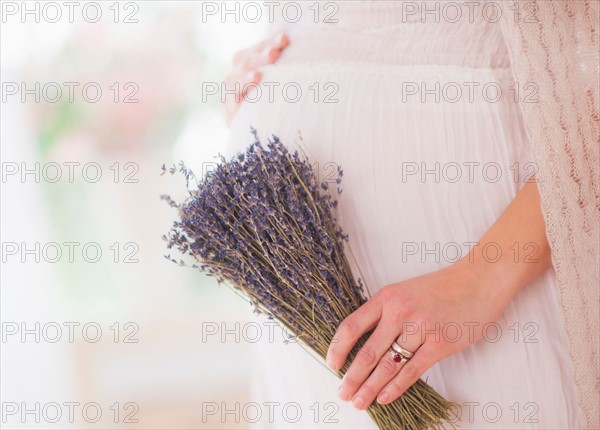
(263, 224)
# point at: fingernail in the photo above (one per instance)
(343, 394)
(383, 397)
(266, 53)
(358, 402)
(252, 77)
(279, 39)
(333, 366)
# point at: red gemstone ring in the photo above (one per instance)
(399, 354)
(397, 357)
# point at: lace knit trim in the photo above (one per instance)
(559, 53)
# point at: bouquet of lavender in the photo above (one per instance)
(263, 224)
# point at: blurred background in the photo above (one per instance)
(92, 106)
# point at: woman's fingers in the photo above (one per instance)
(368, 357)
(425, 357)
(271, 52)
(243, 84)
(245, 70)
(266, 52)
(356, 324)
(255, 58)
(365, 361)
(232, 102)
(281, 40)
(386, 370)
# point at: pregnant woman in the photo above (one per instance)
(426, 116)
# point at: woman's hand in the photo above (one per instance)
(441, 313)
(245, 69)
(435, 315)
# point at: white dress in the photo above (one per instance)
(423, 177)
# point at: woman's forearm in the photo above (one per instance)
(515, 250)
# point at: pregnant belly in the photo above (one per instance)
(424, 174)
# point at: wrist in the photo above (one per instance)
(493, 278)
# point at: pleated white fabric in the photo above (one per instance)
(433, 148)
